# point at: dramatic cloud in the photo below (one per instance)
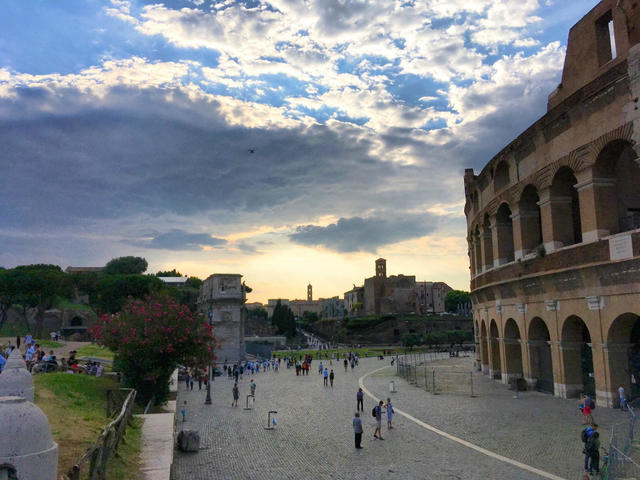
(180, 240)
(358, 234)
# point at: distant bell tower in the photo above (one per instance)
(309, 293)
(381, 268)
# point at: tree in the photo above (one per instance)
(410, 339)
(257, 313)
(151, 337)
(34, 286)
(194, 282)
(126, 265)
(112, 291)
(310, 317)
(284, 320)
(453, 298)
(168, 273)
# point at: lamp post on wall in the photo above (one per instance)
(210, 372)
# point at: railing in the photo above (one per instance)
(624, 449)
(97, 456)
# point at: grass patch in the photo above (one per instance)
(50, 344)
(76, 408)
(95, 351)
(63, 304)
(14, 329)
(127, 462)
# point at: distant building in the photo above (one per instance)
(253, 305)
(298, 307)
(354, 300)
(386, 295)
(272, 302)
(175, 281)
(332, 308)
(430, 297)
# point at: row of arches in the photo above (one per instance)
(530, 355)
(555, 216)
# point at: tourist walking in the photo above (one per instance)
(377, 412)
(585, 436)
(623, 398)
(346, 364)
(320, 369)
(18, 342)
(187, 380)
(184, 411)
(331, 377)
(236, 395)
(593, 450)
(252, 386)
(325, 376)
(587, 406)
(390, 413)
(360, 400)
(357, 429)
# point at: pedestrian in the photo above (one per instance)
(357, 429)
(191, 381)
(184, 411)
(585, 435)
(360, 400)
(187, 380)
(593, 449)
(390, 413)
(623, 398)
(331, 377)
(252, 386)
(353, 363)
(377, 411)
(346, 364)
(18, 342)
(586, 411)
(320, 369)
(236, 395)
(325, 376)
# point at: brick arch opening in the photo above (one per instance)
(495, 369)
(577, 357)
(512, 350)
(530, 224)
(540, 356)
(617, 180)
(501, 176)
(484, 348)
(565, 208)
(623, 345)
(504, 226)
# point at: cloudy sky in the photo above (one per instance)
(286, 140)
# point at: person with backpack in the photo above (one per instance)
(593, 450)
(585, 436)
(377, 413)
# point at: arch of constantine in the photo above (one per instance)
(553, 224)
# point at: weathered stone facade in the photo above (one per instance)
(221, 300)
(554, 225)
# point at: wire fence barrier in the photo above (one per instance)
(624, 449)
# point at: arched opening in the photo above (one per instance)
(477, 250)
(484, 348)
(75, 322)
(501, 176)
(512, 350)
(540, 356)
(565, 208)
(494, 365)
(488, 242)
(530, 225)
(623, 343)
(617, 178)
(504, 226)
(577, 358)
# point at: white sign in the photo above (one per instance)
(620, 247)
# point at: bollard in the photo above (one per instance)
(392, 387)
(252, 403)
(270, 425)
(471, 381)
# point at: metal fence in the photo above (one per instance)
(624, 449)
(97, 456)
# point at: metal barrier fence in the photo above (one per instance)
(624, 449)
(99, 453)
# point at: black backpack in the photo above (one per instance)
(373, 413)
(583, 436)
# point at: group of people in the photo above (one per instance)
(376, 412)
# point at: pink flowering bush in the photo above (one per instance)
(150, 338)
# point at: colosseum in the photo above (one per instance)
(553, 225)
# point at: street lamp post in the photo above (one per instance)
(210, 372)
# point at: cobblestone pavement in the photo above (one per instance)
(314, 437)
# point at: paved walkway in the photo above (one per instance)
(314, 436)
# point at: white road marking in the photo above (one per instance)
(453, 438)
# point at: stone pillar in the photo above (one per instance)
(486, 240)
(527, 369)
(598, 205)
(557, 360)
(477, 245)
(570, 365)
(553, 229)
(607, 380)
(518, 239)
